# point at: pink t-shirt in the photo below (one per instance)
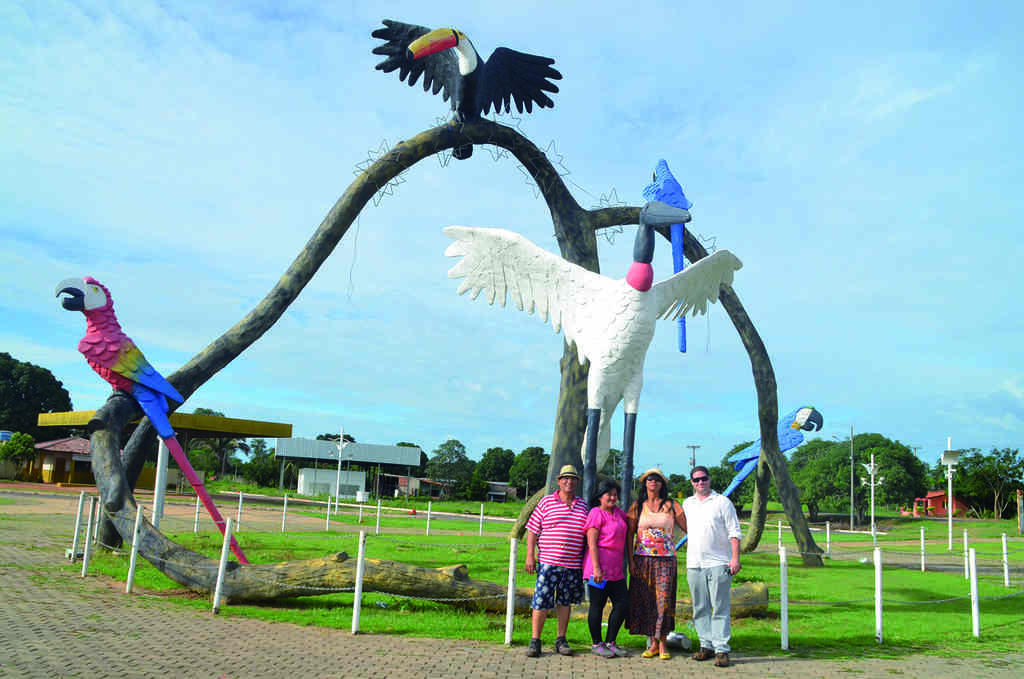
(611, 542)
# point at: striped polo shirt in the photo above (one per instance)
(559, 530)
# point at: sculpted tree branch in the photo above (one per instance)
(575, 230)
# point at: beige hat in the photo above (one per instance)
(568, 470)
(653, 471)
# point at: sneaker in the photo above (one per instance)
(602, 650)
(619, 652)
(533, 649)
(562, 646)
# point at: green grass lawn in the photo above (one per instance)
(831, 611)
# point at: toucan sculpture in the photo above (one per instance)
(611, 321)
(116, 359)
(451, 65)
(790, 430)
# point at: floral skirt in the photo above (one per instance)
(652, 596)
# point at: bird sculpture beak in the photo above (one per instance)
(72, 287)
(437, 40)
(657, 213)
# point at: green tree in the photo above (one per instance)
(496, 464)
(990, 480)
(530, 469)
(821, 469)
(613, 465)
(21, 448)
(451, 463)
(25, 391)
(475, 488)
(261, 468)
(224, 448)
(203, 459)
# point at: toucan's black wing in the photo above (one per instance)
(510, 76)
(440, 71)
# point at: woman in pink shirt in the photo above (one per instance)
(603, 567)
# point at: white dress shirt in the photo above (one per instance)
(710, 524)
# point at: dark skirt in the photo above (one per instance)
(652, 596)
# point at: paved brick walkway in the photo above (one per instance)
(56, 624)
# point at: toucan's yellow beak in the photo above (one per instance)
(433, 42)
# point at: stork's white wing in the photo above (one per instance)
(504, 264)
(691, 289)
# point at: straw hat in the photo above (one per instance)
(568, 470)
(653, 471)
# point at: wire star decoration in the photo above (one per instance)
(610, 199)
(372, 156)
(555, 158)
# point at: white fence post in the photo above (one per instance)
(780, 534)
(828, 538)
(430, 508)
(78, 527)
(160, 483)
(1006, 564)
(967, 567)
(784, 597)
(328, 525)
(510, 601)
(360, 512)
(195, 522)
(922, 549)
(135, 551)
(878, 594)
(975, 623)
(93, 503)
(238, 521)
(378, 517)
(223, 567)
(284, 512)
(357, 602)
(481, 519)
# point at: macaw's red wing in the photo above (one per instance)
(440, 71)
(516, 77)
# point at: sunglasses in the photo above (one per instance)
(699, 479)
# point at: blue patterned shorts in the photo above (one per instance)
(557, 585)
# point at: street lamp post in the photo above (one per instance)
(872, 470)
(949, 458)
(851, 477)
(337, 477)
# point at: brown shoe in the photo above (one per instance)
(721, 660)
(703, 654)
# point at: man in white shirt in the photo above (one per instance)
(712, 558)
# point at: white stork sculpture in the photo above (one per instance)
(611, 321)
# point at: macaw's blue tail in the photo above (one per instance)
(154, 405)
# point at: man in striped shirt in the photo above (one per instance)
(556, 528)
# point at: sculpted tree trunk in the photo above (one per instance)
(575, 229)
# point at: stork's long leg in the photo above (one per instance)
(628, 436)
(590, 456)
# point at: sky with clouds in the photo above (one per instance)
(864, 162)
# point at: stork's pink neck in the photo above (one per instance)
(640, 276)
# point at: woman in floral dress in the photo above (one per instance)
(651, 545)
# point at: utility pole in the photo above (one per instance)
(693, 454)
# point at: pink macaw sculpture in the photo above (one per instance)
(116, 359)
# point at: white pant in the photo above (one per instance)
(709, 590)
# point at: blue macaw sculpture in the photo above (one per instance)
(791, 428)
(665, 188)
